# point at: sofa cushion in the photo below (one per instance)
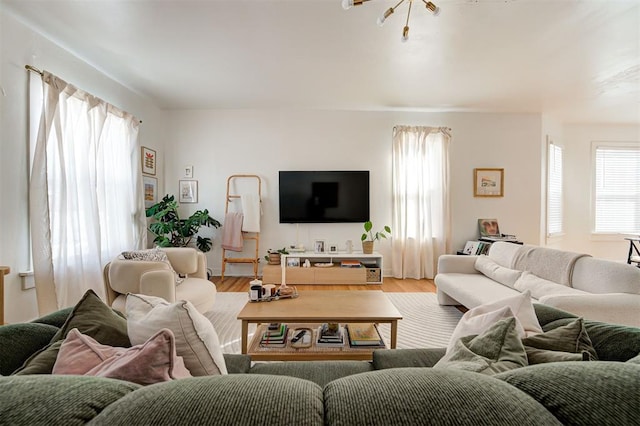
(320, 373)
(472, 290)
(408, 396)
(480, 318)
(571, 338)
(196, 340)
(603, 276)
(539, 287)
(503, 253)
(57, 400)
(91, 317)
(153, 361)
(237, 399)
(496, 272)
(612, 342)
(583, 393)
(402, 358)
(19, 341)
(497, 349)
(550, 264)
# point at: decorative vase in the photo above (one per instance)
(367, 247)
(274, 258)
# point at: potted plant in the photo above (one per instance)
(273, 256)
(368, 237)
(172, 231)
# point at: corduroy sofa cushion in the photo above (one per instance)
(402, 358)
(247, 399)
(19, 341)
(57, 400)
(583, 393)
(426, 396)
(319, 372)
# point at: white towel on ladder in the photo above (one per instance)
(251, 211)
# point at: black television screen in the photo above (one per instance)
(324, 196)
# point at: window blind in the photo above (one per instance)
(554, 190)
(617, 188)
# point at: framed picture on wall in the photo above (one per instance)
(148, 161)
(319, 246)
(188, 191)
(488, 182)
(150, 185)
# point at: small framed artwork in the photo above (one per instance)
(319, 246)
(150, 185)
(333, 248)
(188, 172)
(488, 227)
(488, 182)
(188, 191)
(293, 262)
(148, 161)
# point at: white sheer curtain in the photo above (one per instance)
(86, 200)
(421, 211)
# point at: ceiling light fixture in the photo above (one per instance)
(435, 10)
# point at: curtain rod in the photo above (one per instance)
(36, 70)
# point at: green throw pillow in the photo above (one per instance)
(566, 343)
(634, 360)
(497, 349)
(91, 317)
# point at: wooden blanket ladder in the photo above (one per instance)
(246, 236)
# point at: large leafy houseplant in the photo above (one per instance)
(172, 231)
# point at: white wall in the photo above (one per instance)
(578, 174)
(21, 46)
(219, 143)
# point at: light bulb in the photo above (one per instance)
(384, 17)
(405, 34)
(433, 8)
(347, 4)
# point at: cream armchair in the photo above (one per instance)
(155, 278)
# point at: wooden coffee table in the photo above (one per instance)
(316, 307)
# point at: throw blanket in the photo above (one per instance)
(251, 211)
(550, 264)
(232, 232)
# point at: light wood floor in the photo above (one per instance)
(391, 285)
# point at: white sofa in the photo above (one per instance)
(596, 289)
(156, 278)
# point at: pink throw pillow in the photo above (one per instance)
(151, 362)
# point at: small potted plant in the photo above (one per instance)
(369, 237)
(273, 256)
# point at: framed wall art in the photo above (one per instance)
(488, 182)
(188, 191)
(148, 161)
(318, 246)
(150, 185)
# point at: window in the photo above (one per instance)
(616, 207)
(554, 189)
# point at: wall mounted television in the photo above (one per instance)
(324, 196)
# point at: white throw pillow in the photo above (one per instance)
(496, 272)
(196, 340)
(539, 287)
(480, 318)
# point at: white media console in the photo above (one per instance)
(369, 272)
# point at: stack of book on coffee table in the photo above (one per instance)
(364, 335)
(330, 334)
(275, 336)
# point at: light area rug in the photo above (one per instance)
(424, 324)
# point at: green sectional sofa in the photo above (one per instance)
(397, 387)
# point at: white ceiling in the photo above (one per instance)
(578, 60)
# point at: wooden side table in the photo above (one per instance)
(4, 270)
